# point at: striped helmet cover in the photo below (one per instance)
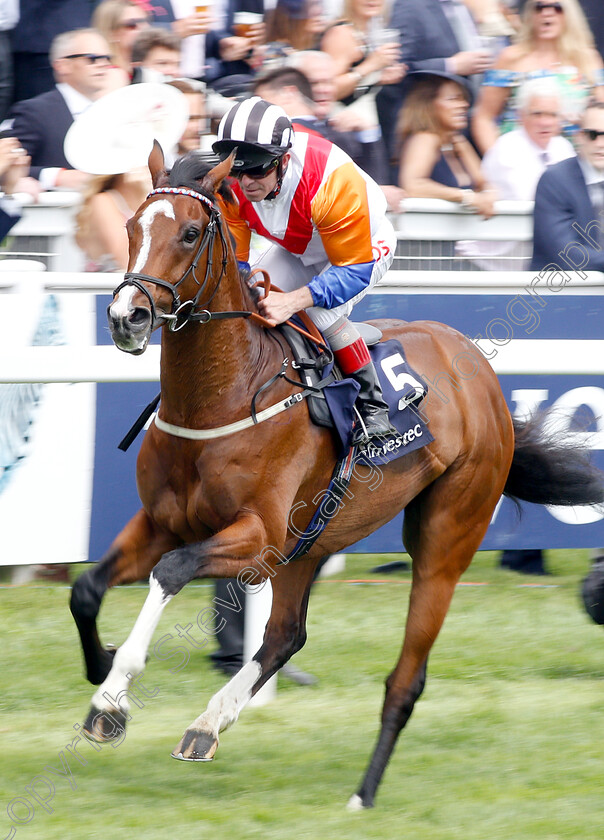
(259, 123)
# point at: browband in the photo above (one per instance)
(183, 191)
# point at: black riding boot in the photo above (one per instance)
(371, 406)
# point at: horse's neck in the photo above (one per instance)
(210, 370)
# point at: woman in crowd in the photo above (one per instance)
(437, 160)
(295, 24)
(120, 21)
(363, 58)
(107, 204)
(554, 40)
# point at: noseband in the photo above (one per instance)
(182, 312)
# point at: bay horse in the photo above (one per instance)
(216, 500)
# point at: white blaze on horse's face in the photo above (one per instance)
(163, 207)
(122, 307)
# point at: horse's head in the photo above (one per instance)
(171, 239)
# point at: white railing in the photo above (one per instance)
(424, 221)
(52, 219)
(434, 219)
(107, 364)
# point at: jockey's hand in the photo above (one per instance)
(277, 307)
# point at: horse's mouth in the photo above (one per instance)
(129, 337)
(130, 344)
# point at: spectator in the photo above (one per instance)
(517, 160)
(435, 35)
(318, 67)
(108, 202)
(197, 124)
(437, 161)
(295, 24)
(40, 21)
(155, 55)
(554, 40)
(232, 60)
(361, 57)
(14, 164)
(569, 202)
(190, 25)
(80, 60)
(9, 15)
(120, 22)
(290, 88)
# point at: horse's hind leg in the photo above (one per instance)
(131, 557)
(443, 529)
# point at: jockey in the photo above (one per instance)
(328, 237)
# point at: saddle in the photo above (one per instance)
(331, 403)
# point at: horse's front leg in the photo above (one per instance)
(211, 558)
(284, 635)
(132, 555)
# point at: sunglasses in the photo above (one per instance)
(592, 134)
(135, 23)
(256, 172)
(91, 58)
(557, 7)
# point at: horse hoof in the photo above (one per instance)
(102, 726)
(196, 746)
(355, 804)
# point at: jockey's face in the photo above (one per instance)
(257, 189)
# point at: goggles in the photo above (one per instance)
(256, 172)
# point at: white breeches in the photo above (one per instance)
(288, 272)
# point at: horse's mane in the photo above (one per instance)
(190, 170)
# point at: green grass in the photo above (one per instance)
(506, 742)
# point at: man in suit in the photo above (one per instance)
(40, 21)
(434, 35)
(568, 231)
(80, 60)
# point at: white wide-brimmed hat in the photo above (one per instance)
(116, 133)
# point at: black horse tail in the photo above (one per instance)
(547, 469)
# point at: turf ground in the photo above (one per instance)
(507, 741)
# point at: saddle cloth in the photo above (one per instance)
(333, 404)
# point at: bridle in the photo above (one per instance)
(183, 312)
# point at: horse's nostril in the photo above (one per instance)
(139, 316)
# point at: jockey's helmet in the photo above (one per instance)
(260, 132)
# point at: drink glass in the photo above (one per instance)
(386, 36)
(244, 21)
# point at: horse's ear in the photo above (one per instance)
(156, 164)
(216, 176)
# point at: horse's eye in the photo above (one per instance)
(190, 235)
